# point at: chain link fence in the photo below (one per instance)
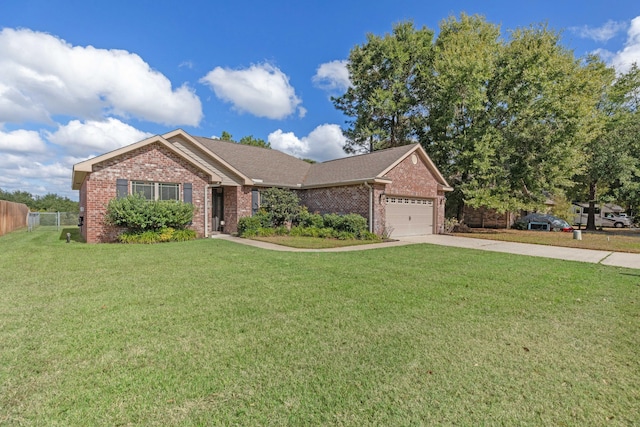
(48, 221)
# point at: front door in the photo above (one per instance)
(218, 209)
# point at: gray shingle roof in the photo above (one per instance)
(273, 167)
(362, 167)
(276, 168)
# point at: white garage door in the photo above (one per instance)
(409, 217)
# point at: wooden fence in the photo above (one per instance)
(12, 216)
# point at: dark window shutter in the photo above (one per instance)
(187, 193)
(122, 188)
(255, 201)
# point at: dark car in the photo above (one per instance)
(542, 222)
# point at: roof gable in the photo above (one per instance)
(368, 167)
(82, 169)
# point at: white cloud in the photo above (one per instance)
(42, 76)
(600, 34)
(26, 172)
(332, 76)
(95, 137)
(21, 141)
(623, 59)
(323, 143)
(262, 90)
(630, 53)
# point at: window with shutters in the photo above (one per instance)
(156, 190)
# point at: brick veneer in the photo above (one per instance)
(345, 200)
(153, 163)
(237, 203)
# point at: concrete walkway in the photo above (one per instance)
(617, 259)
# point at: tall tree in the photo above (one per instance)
(382, 101)
(611, 156)
(541, 101)
(456, 131)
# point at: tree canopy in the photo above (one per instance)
(47, 203)
(246, 140)
(508, 119)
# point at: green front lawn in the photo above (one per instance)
(210, 332)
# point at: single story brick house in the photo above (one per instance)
(399, 190)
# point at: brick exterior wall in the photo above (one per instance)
(341, 200)
(487, 218)
(237, 204)
(153, 163)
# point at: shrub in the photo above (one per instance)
(265, 232)
(281, 205)
(345, 235)
(157, 236)
(248, 224)
(326, 233)
(139, 214)
(367, 235)
(353, 223)
(332, 221)
(450, 224)
(307, 219)
(183, 235)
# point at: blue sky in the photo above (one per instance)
(80, 78)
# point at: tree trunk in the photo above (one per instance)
(591, 215)
(461, 211)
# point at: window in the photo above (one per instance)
(146, 189)
(169, 192)
(156, 190)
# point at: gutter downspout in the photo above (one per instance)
(366, 184)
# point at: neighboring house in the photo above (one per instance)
(399, 190)
(484, 217)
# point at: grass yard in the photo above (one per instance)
(623, 240)
(210, 332)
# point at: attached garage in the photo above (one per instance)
(409, 216)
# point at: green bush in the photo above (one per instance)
(329, 226)
(332, 221)
(157, 236)
(265, 232)
(367, 235)
(307, 219)
(138, 214)
(326, 233)
(345, 235)
(350, 223)
(248, 224)
(353, 223)
(281, 205)
(183, 235)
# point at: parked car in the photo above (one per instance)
(542, 222)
